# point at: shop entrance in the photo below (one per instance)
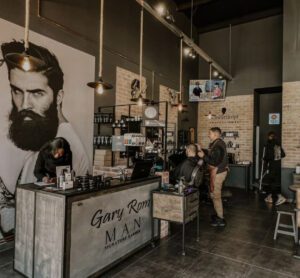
(267, 117)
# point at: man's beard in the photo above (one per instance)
(33, 134)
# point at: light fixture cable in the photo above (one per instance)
(101, 38)
(180, 69)
(26, 30)
(192, 14)
(141, 45)
(99, 85)
(180, 104)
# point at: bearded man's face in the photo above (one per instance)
(34, 116)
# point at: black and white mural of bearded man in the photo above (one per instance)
(36, 115)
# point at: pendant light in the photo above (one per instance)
(140, 100)
(24, 61)
(99, 85)
(180, 104)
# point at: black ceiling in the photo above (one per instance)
(214, 14)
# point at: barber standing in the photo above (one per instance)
(217, 160)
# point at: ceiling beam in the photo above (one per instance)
(188, 5)
(186, 39)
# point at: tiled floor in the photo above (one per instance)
(245, 248)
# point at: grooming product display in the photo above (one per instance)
(103, 118)
(100, 141)
(134, 139)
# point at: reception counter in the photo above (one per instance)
(81, 234)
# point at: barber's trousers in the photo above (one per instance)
(216, 195)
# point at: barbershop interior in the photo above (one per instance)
(149, 138)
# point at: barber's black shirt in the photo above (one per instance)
(185, 169)
(46, 163)
(217, 155)
(197, 91)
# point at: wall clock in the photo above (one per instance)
(151, 112)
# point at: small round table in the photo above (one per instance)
(296, 189)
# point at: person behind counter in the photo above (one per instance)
(186, 168)
(216, 158)
(56, 152)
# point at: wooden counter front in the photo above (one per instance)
(81, 234)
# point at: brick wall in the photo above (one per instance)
(164, 95)
(123, 89)
(291, 123)
(238, 117)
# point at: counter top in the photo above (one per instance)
(116, 185)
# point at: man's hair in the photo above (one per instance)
(216, 129)
(192, 148)
(272, 133)
(52, 71)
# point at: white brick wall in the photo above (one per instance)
(172, 111)
(241, 106)
(291, 123)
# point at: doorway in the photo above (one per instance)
(267, 117)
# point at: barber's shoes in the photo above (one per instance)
(280, 200)
(218, 222)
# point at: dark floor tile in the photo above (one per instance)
(259, 273)
(209, 265)
(7, 271)
(146, 270)
(170, 256)
(205, 242)
(283, 242)
(264, 224)
(235, 249)
(7, 245)
(277, 260)
(134, 258)
(6, 256)
(247, 234)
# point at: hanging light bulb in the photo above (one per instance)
(140, 101)
(24, 61)
(215, 73)
(180, 106)
(161, 9)
(99, 85)
(26, 64)
(209, 116)
(99, 89)
(186, 51)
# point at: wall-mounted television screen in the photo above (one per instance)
(207, 90)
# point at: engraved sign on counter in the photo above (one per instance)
(116, 224)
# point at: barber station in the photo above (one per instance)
(149, 138)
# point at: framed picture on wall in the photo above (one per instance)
(207, 90)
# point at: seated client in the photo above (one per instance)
(185, 168)
(56, 152)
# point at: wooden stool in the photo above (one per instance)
(293, 233)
